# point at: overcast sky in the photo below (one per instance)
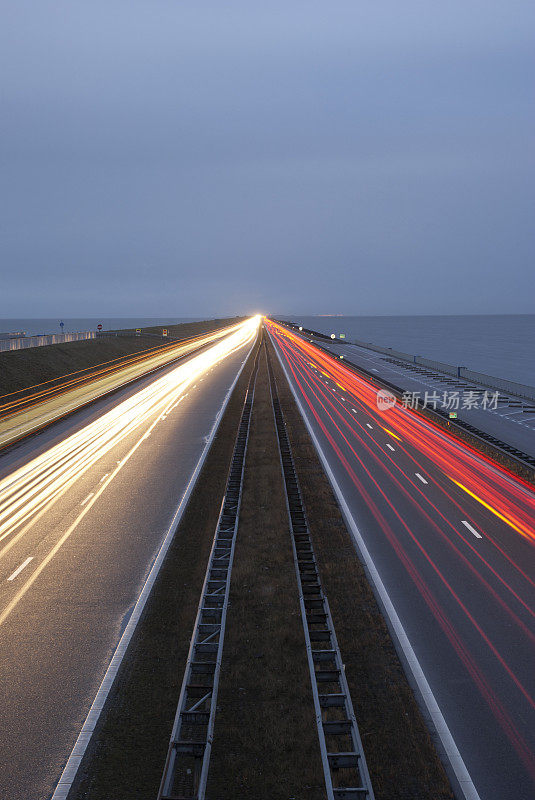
(200, 158)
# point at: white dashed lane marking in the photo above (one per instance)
(471, 529)
(420, 477)
(19, 569)
(369, 426)
(88, 498)
(391, 448)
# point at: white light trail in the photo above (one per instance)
(29, 491)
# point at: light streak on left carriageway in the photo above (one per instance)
(34, 487)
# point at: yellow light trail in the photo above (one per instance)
(391, 434)
(32, 489)
(491, 509)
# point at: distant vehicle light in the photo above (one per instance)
(300, 327)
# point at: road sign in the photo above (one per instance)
(138, 331)
(99, 326)
(333, 335)
(61, 324)
(164, 332)
(342, 335)
(453, 415)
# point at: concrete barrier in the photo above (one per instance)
(40, 341)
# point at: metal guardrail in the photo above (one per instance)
(344, 763)
(188, 757)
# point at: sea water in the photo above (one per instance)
(500, 345)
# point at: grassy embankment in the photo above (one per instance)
(20, 369)
(265, 742)
(185, 329)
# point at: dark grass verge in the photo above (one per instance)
(127, 754)
(20, 369)
(400, 753)
(185, 329)
(266, 742)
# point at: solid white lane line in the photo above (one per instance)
(369, 426)
(88, 498)
(471, 529)
(19, 569)
(420, 477)
(104, 477)
(390, 447)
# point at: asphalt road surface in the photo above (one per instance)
(81, 521)
(452, 537)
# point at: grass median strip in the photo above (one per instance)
(266, 742)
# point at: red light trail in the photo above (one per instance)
(467, 484)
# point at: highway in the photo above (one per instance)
(451, 536)
(84, 508)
